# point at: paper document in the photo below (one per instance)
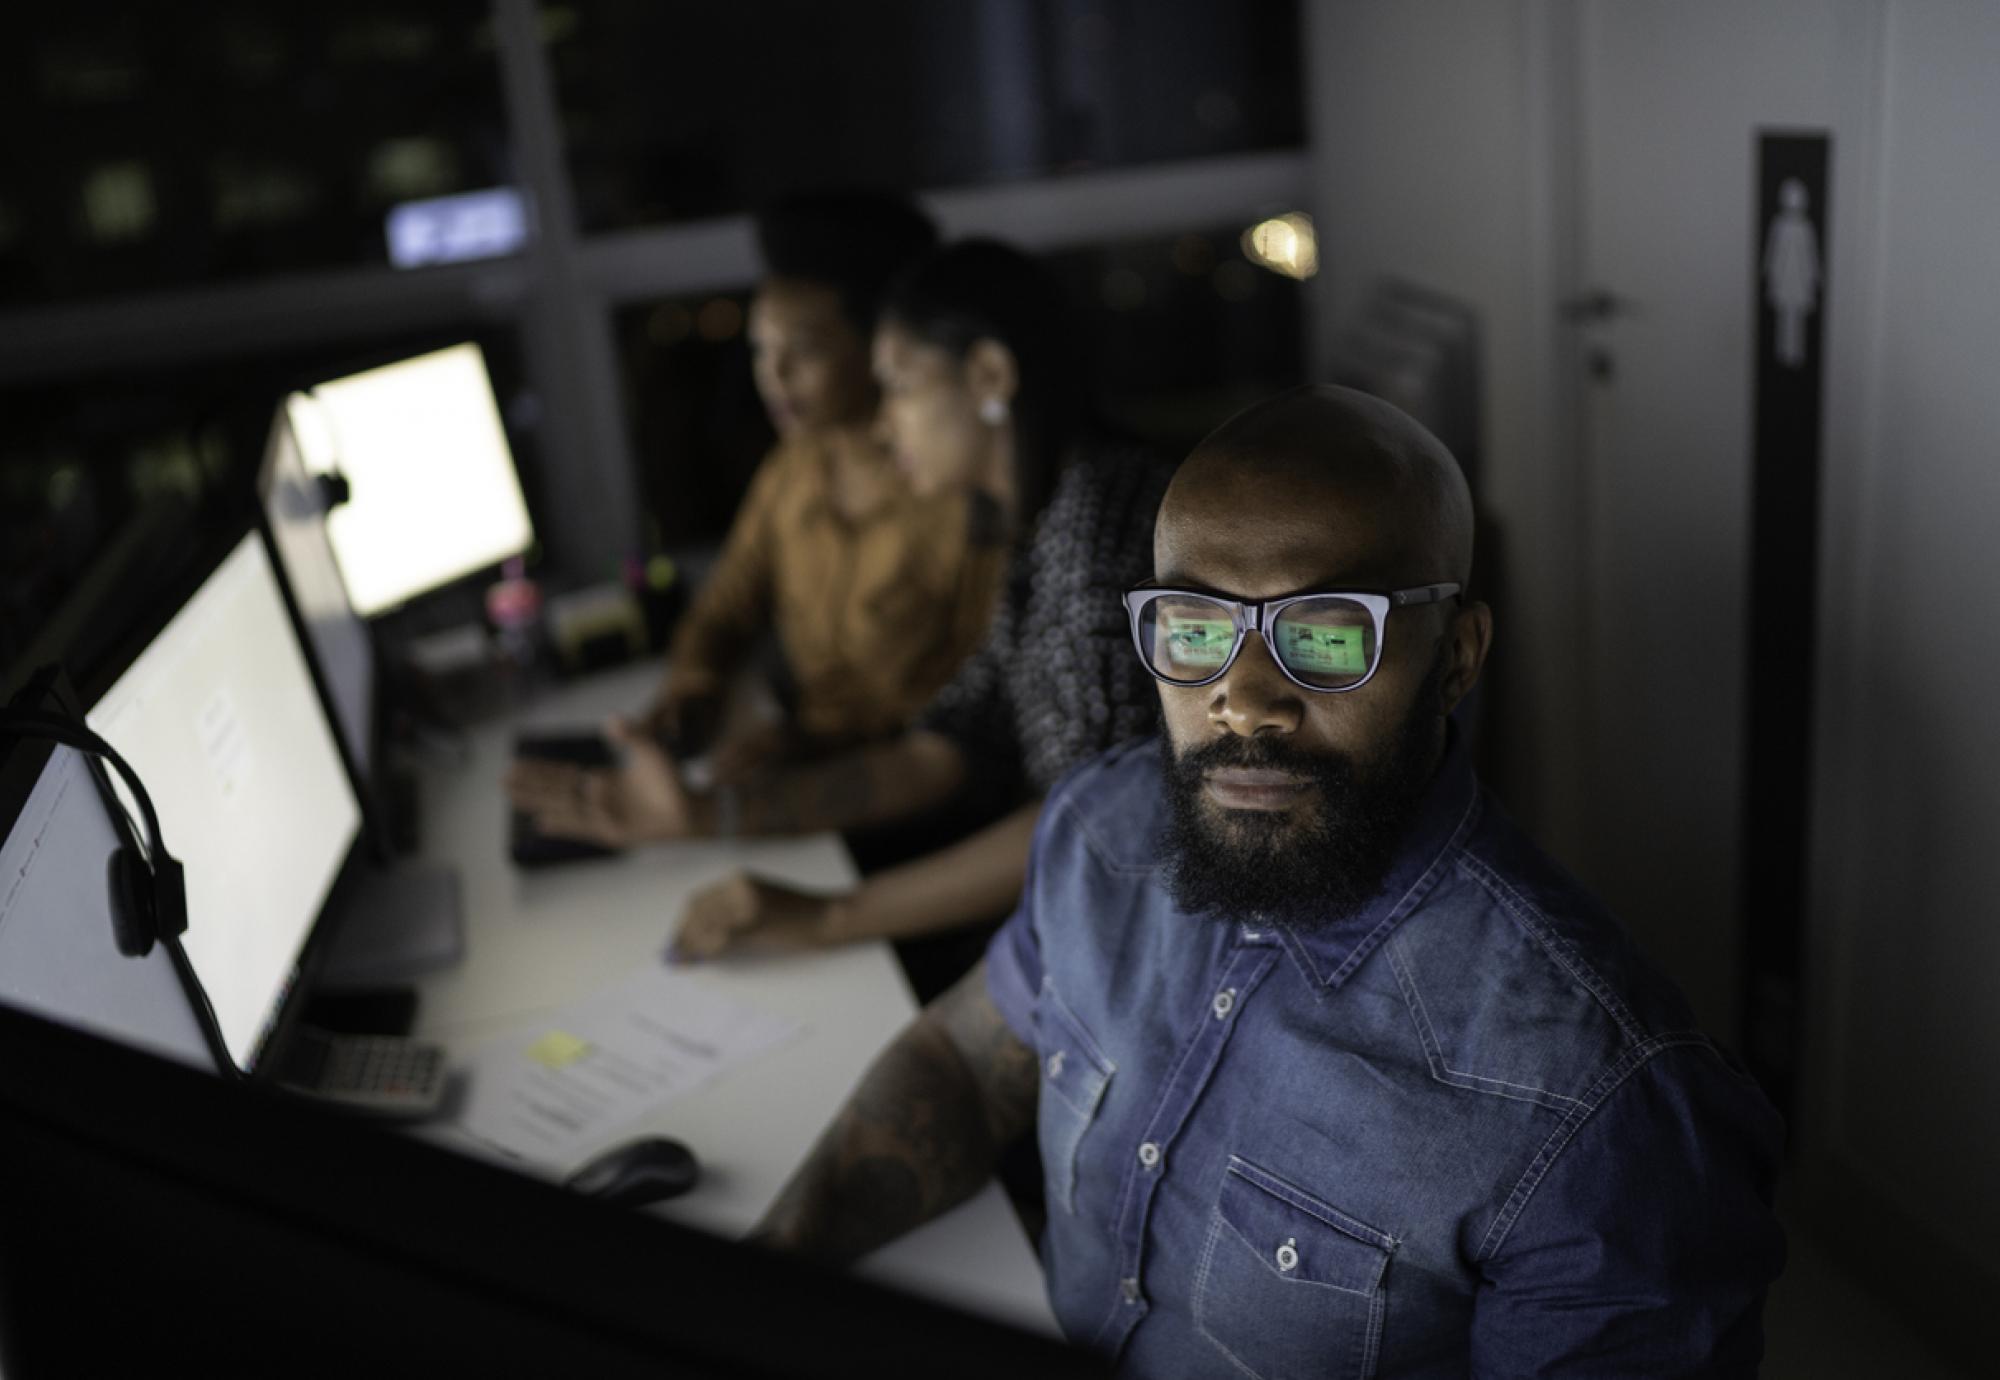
(556, 1089)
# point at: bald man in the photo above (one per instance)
(1332, 1072)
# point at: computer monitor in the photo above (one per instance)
(397, 918)
(433, 495)
(294, 507)
(59, 958)
(219, 717)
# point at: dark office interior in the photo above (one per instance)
(1702, 298)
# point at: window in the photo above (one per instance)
(178, 145)
(697, 426)
(677, 112)
(1183, 330)
(125, 464)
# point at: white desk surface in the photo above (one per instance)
(541, 939)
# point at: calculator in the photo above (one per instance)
(381, 1075)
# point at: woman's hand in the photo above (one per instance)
(641, 801)
(741, 915)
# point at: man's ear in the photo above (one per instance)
(991, 371)
(1466, 643)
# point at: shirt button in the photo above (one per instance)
(1130, 1289)
(1055, 1065)
(1288, 1254)
(1224, 1001)
(1149, 1154)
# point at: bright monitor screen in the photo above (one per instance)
(58, 951)
(220, 719)
(296, 515)
(433, 492)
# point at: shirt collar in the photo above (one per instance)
(1328, 954)
(889, 488)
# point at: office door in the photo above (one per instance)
(1671, 100)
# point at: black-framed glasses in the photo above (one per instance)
(1326, 641)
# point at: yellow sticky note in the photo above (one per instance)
(558, 1049)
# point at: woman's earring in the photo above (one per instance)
(993, 411)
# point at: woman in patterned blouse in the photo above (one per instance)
(980, 394)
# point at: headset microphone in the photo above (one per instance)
(148, 890)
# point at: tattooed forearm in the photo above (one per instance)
(912, 1142)
(1008, 1072)
(870, 1201)
(920, 1135)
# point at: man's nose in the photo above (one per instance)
(1254, 696)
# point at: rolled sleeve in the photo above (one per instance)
(1646, 1247)
(1014, 974)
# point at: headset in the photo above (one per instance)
(149, 889)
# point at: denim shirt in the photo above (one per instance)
(1467, 1131)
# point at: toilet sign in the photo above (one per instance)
(1791, 272)
(1790, 298)
(1793, 174)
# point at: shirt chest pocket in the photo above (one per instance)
(1288, 1285)
(1075, 1073)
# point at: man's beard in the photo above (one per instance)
(1308, 869)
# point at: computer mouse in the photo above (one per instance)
(638, 1172)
